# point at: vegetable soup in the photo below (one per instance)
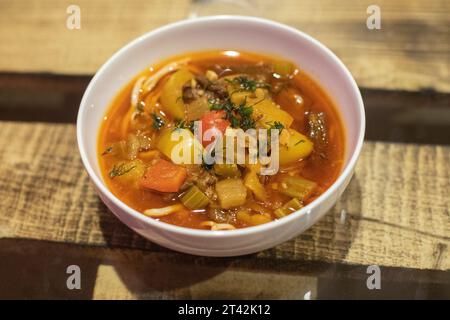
(223, 92)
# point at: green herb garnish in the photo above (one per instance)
(228, 106)
(182, 124)
(246, 84)
(158, 122)
(245, 113)
(276, 125)
(107, 151)
(235, 122)
(240, 116)
(120, 169)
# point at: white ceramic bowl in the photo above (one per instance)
(231, 33)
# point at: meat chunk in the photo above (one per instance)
(203, 179)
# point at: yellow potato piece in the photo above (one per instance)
(296, 147)
(171, 94)
(251, 181)
(186, 142)
(132, 171)
(268, 113)
(253, 219)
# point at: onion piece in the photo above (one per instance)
(161, 212)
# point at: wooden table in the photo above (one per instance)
(395, 213)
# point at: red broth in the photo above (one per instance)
(128, 149)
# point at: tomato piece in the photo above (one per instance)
(215, 120)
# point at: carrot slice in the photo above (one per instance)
(164, 176)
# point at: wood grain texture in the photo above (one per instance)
(33, 269)
(392, 116)
(410, 52)
(395, 211)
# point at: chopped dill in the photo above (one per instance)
(246, 84)
(240, 116)
(120, 169)
(245, 111)
(182, 124)
(107, 150)
(158, 122)
(228, 106)
(276, 125)
(234, 122)
(299, 141)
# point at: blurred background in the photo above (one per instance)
(409, 54)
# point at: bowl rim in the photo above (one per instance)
(101, 186)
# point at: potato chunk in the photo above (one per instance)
(172, 91)
(297, 146)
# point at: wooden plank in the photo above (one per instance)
(410, 51)
(398, 116)
(32, 269)
(395, 211)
